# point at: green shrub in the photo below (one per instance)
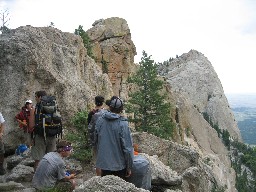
(86, 40)
(79, 137)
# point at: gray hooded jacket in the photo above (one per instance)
(113, 142)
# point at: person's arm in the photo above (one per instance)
(127, 145)
(2, 127)
(31, 118)
(71, 176)
(22, 122)
(89, 117)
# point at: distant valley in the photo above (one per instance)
(244, 109)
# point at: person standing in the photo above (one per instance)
(2, 151)
(98, 100)
(41, 144)
(51, 173)
(23, 119)
(114, 142)
(92, 118)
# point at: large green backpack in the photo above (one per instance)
(48, 118)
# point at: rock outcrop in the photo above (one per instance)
(193, 76)
(195, 89)
(114, 51)
(200, 170)
(33, 59)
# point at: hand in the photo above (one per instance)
(72, 176)
(32, 109)
(128, 173)
(24, 123)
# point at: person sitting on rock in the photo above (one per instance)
(51, 174)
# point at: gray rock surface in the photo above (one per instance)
(45, 58)
(108, 184)
(193, 76)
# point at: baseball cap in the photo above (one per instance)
(109, 100)
(29, 101)
(116, 102)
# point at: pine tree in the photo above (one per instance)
(4, 17)
(151, 112)
(86, 40)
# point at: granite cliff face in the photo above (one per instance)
(112, 46)
(193, 76)
(196, 89)
(33, 58)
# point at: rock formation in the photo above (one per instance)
(33, 59)
(112, 46)
(193, 76)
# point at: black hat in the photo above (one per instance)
(116, 102)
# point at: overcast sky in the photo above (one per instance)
(223, 30)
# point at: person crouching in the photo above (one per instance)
(50, 173)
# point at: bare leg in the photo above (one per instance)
(98, 171)
(36, 164)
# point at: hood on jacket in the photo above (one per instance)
(111, 116)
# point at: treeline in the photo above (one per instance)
(223, 134)
(243, 157)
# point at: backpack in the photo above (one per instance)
(91, 113)
(48, 119)
(96, 113)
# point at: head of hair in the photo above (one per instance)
(99, 100)
(116, 110)
(62, 144)
(40, 93)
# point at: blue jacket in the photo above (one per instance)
(113, 142)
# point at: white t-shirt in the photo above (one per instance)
(1, 118)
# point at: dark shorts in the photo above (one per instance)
(121, 173)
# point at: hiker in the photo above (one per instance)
(22, 118)
(92, 118)
(51, 173)
(41, 144)
(2, 127)
(113, 142)
(99, 101)
(141, 171)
